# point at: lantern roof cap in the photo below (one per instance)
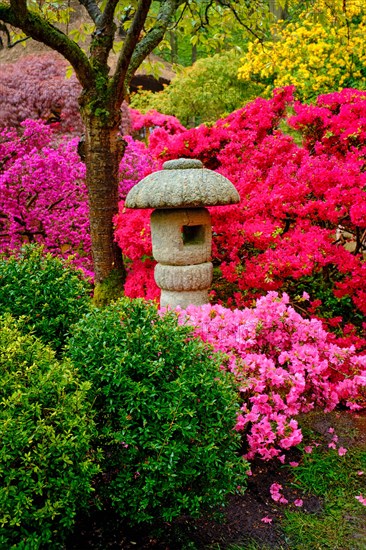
(183, 183)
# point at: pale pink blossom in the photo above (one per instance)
(266, 519)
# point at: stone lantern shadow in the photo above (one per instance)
(181, 226)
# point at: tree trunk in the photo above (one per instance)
(103, 152)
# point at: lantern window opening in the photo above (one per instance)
(193, 234)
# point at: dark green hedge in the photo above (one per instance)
(164, 409)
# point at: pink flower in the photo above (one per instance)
(360, 473)
(298, 502)
(361, 499)
(275, 490)
(294, 464)
(342, 451)
(266, 519)
(308, 449)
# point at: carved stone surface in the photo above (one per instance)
(181, 237)
(182, 183)
(181, 226)
(183, 299)
(184, 277)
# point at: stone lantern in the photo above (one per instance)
(181, 226)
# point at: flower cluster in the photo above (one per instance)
(301, 221)
(283, 365)
(43, 196)
(43, 193)
(316, 57)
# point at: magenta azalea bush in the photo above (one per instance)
(43, 196)
(43, 193)
(300, 225)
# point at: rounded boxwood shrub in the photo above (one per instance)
(46, 425)
(165, 412)
(48, 292)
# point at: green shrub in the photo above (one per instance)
(45, 432)
(202, 93)
(165, 412)
(50, 294)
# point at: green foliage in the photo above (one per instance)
(165, 412)
(50, 294)
(204, 92)
(213, 27)
(45, 432)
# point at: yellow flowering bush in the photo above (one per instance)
(316, 56)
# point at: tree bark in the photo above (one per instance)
(103, 152)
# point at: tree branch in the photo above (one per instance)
(108, 14)
(39, 29)
(125, 56)
(93, 10)
(153, 37)
(20, 7)
(4, 28)
(229, 5)
(12, 44)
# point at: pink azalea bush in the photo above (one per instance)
(143, 125)
(136, 163)
(283, 364)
